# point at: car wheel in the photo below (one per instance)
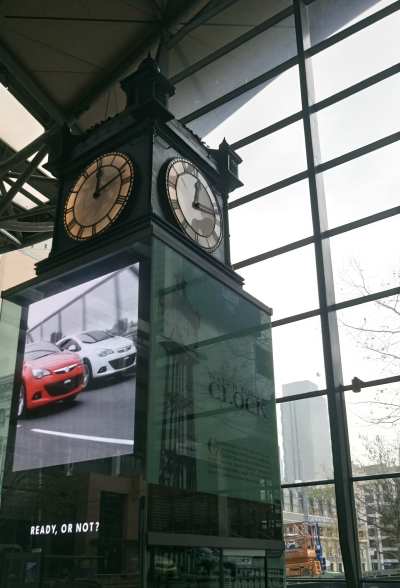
(21, 411)
(89, 373)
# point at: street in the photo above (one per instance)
(98, 424)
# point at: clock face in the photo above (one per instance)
(98, 196)
(194, 204)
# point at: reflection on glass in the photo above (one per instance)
(311, 532)
(76, 530)
(271, 159)
(258, 108)
(365, 260)
(369, 340)
(352, 189)
(306, 453)
(377, 505)
(356, 121)
(210, 567)
(287, 282)
(359, 53)
(373, 417)
(251, 59)
(298, 355)
(270, 221)
(327, 18)
(211, 442)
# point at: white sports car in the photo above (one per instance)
(103, 353)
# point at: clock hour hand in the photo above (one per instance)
(98, 189)
(98, 179)
(96, 193)
(204, 208)
(197, 187)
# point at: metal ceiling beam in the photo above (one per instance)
(23, 154)
(213, 8)
(27, 227)
(34, 238)
(126, 61)
(23, 178)
(38, 211)
(27, 90)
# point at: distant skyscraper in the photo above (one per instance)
(307, 453)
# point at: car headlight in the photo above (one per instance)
(40, 373)
(105, 352)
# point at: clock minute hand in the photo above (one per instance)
(96, 193)
(204, 208)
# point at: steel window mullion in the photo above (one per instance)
(269, 189)
(302, 396)
(277, 126)
(232, 45)
(273, 252)
(306, 484)
(330, 339)
(355, 88)
(359, 152)
(265, 77)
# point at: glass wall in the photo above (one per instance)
(314, 233)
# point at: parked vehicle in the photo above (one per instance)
(103, 353)
(48, 376)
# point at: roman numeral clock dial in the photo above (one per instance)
(193, 203)
(98, 197)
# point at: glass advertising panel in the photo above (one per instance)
(71, 497)
(78, 341)
(212, 442)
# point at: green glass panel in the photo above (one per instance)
(212, 424)
(10, 315)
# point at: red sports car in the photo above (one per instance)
(49, 375)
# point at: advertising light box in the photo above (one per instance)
(76, 400)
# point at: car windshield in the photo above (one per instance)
(37, 350)
(95, 336)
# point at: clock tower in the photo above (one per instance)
(141, 169)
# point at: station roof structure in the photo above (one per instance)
(61, 63)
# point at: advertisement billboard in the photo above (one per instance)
(76, 399)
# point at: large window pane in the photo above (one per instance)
(270, 221)
(287, 283)
(260, 54)
(369, 339)
(311, 532)
(363, 186)
(377, 504)
(327, 18)
(360, 119)
(366, 260)
(306, 453)
(360, 54)
(252, 111)
(271, 159)
(297, 349)
(374, 429)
